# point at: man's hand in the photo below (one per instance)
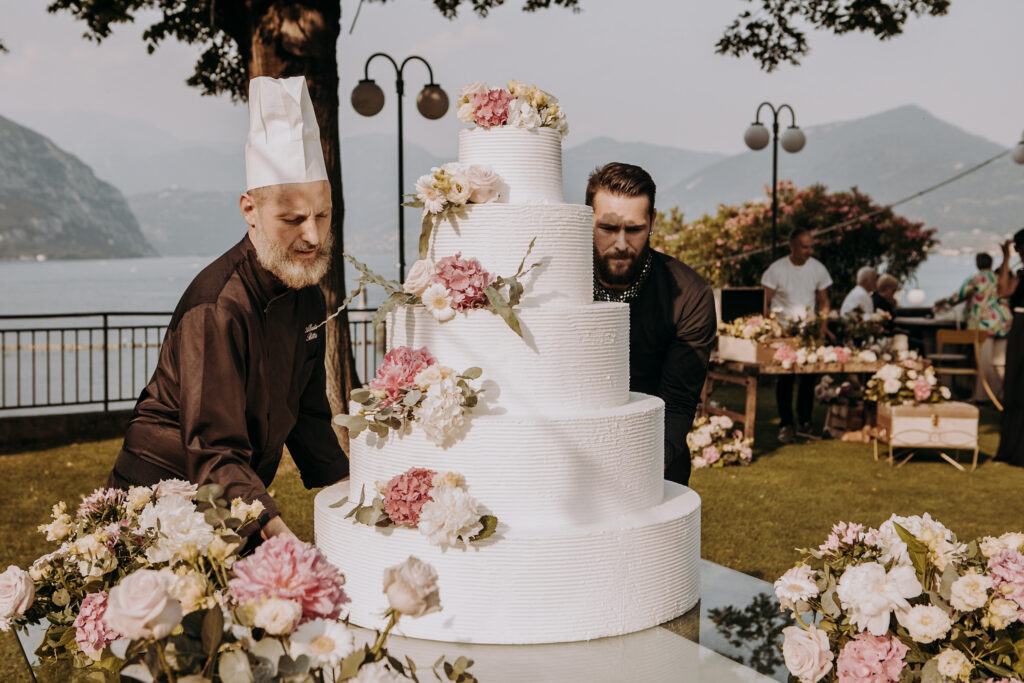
(275, 527)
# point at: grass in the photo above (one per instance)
(753, 517)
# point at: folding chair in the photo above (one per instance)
(972, 338)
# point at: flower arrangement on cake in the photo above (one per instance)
(436, 503)
(411, 386)
(714, 443)
(517, 106)
(906, 602)
(148, 583)
(899, 383)
(454, 284)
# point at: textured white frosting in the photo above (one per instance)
(537, 472)
(528, 160)
(499, 235)
(566, 583)
(569, 359)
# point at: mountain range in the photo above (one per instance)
(184, 194)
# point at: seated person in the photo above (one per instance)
(884, 298)
(860, 296)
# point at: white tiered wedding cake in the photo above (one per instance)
(591, 540)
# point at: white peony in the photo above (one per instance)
(137, 498)
(700, 439)
(1001, 613)
(868, 356)
(807, 653)
(16, 595)
(892, 386)
(1011, 541)
(176, 487)
(953, 664)
(487, 184)
(521, 114)
(889, 371)
(931, 532)
(869, 594)
(325, 642)
(420, 276)
(277, 616)
(180, 525)
(411, 588)
(925, 623)
(438, 303)
(432, 200)
(440, 413)
(796, 587)
(970, 592)
(450, 517)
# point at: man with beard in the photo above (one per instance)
(672, 321)
(241, 371)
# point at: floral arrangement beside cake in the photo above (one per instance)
(906, 602)
(714, 443)
(148, 584)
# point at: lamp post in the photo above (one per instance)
(1018, 152)
(793, 140)
(368, 100)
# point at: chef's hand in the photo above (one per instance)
(275, 527)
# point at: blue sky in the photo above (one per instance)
(642, 70)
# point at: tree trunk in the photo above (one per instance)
(300, 39)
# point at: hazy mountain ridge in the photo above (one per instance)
(53, 206)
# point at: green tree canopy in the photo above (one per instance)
(726, 248)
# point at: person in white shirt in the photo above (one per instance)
(860, 296)
(796, 286)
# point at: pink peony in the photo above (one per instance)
(1006, 568)
(405, 495)
(922, 389)
(785, 354)
(491, 107)
(91, 633)
(710, 455)
(285, 567)
(465, 280)
(871, 659)
(99, 501)
(843, 354)
(399, 369)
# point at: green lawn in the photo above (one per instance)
(753, 517)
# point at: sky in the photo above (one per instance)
(643, 70)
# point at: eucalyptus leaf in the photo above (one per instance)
(379, 429)
(949, 577)
(473, 373)
(350, 665)
(917, 551)
(412, 398)
(360, 395)
(522, 263)
(490, 523)
(503, 309)
(426, 227)
(362, 498)
(471, 401)
(339, 504)
(385, 412)
(213, 630)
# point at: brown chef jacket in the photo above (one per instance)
(239, 376)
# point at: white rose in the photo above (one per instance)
(459, 188)
(868, 356)
(16, 594)
(466, 112)
(179, 524)
(189, 588)
(411, 588)
(140, 607)
(474, 88)
(869, 594)
(277, 616)
(137, 498)
(807, 653)
(1001, 613)
(419, 278)
(176, 487)
(925, 623)
(970, 592)
(796, 586)
(892, 386)
(449, 517)
(59, 529)
(953, 664)
(701, 439)
(945, 393)
(486, 184)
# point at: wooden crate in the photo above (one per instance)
(844, 418)
(746, 350)
(952, 425)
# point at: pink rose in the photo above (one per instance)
(16, 594)
(405, 495)
(871, 659)
(286, 568)
(465, 280)
(922, 389)
(843, 354)
(399, 369)
(91, 633)
(140, 607)
(710, 455)
(491, 107)
(485, 183)
(807, 653)
(785, 354)
(420, 276)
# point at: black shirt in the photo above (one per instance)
(672, 329)
(239, 376)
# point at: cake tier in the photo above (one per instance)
(566, 584)
(569, 358)
(529, 161)
(537, 473)
(499, 235)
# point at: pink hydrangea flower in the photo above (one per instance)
(922, 389)
(465, 280)
(285, 567)
(91, 633)
(492, 107)
(871, 659)
(1006, 568)
(100, 500)
(710, 455)
(399, 369)
(405, 495)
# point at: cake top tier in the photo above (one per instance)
(515, 106)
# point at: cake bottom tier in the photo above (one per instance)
(564, 584)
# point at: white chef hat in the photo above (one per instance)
(284, 138)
